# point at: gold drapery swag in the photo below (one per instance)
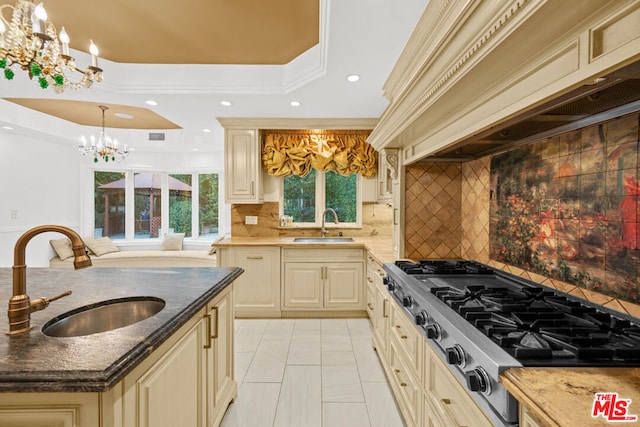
(296, 152)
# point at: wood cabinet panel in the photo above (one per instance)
(257, 290)
(243, 176)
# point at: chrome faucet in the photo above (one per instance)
(20, 306)
(323, 230)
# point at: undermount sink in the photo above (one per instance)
(323, 239)
(103, 316)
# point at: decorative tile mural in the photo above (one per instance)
(567, 208)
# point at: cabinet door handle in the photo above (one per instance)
(252, 187)
(207, 343)
(215, 334)
(369, 279)
(254, 257)
(404, 337)
(446, 401)
(385, 312)
(395, 216)
(370, 306)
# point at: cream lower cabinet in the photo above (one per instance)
(427, 393)
(526, 417)
(257, 290)
(378, 305)
(187, 381)
(221, 385)
(336, 283)
(447, 400)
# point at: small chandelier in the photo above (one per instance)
(31, 42)
(103, 145)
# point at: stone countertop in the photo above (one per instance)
(564, 396)
(380, 248)
(34, 362)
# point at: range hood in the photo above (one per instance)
(610, 96)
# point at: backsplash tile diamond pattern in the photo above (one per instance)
(432, 210)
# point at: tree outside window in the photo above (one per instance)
(305, 198)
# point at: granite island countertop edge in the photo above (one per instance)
(99, 381)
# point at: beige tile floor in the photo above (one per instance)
(309, 373)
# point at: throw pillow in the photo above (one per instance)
(101, 246)
(62, 247)
(172, 242)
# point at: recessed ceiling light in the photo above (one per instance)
(123, 115)
(206, 130)
(353, 77)
(295, 103)
(194, 149)
(226, 103)
(151, 102)
(7, 127)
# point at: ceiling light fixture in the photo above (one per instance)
(226, 103)
(295, 103)
(151, 102)
(353, 77)
(30, 41)
(206, 130)
(103, 145)
(7, 127)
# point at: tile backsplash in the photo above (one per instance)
(376, 221)
(571, 199)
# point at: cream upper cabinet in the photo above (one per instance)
(387, 174)
(243, 175)
(335, 283)
(257, 290)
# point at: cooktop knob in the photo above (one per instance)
(478, 380)
(433, 331)
(421, 318)
(455, 355)
(407, 301)
(390, 284)
(385, 280)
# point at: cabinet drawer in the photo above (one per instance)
(323, 254)
(408, 391)
(450, 398)
(405, 333)
(371, 302)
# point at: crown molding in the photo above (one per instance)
(296, 123)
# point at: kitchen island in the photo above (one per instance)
(126, 376)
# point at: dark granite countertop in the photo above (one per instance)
(34, 362)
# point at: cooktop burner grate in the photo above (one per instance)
(443, 267)
(534, 324)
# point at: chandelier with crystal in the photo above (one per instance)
(30, 42)
(102, 146)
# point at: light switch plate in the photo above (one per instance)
(251, 220)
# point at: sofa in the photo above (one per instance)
(104, 253)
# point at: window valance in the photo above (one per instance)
(296, 152)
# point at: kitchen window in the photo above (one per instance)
(135, 206)
(305, 198)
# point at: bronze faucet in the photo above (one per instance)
(323, 230)
(20, 306)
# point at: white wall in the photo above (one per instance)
(40, 180)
